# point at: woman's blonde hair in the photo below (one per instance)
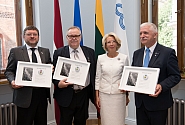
(111, 34)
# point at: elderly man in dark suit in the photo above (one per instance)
(73, 101)
(31, 102)
(153, 109)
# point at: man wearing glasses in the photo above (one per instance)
(31, 102)
(73, 100)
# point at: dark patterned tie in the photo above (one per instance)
(147, 57)
(34, 58)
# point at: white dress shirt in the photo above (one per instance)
(151, 51)
(81, 58)
(36, 53)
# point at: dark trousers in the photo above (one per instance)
(145, 117)
(77, 111)
(37, 111)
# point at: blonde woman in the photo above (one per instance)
(111, 101)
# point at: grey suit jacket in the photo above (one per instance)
(22, 96)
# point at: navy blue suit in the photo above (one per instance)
(169, 76)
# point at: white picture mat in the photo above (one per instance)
(145, 79)
(74, 70)
(33, 74)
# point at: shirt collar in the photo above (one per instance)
(71, 49)
(28, 47)
(152, 47)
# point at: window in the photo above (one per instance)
(169, 16)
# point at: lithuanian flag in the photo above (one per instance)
(99, 28)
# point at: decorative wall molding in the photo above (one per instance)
(92, 115)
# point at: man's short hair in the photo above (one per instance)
(31, 27)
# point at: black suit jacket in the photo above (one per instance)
(165, 59)
(22, 96)
(64, 95)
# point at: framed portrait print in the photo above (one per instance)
(139, 79)
(75, 71)
(33, 74)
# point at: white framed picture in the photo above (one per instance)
(33, 74)
(139, 79)
(74, 70)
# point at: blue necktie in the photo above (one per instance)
(147, 57)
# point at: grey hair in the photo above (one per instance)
(73, 27)
(152, 26)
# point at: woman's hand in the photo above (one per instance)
(97, 99)
(98, 102)
(127, 99)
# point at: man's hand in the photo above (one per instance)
(158, 90)
(63, 83)
(15, 86)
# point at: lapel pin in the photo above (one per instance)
(156, 54)
(88, 60)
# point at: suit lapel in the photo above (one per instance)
(42, 56)
(65, 52)
(141, 57)
(86, 54)
(155, 55)
(25, 54)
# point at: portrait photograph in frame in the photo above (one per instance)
(139, 79)
(33, 74)
(75, 71)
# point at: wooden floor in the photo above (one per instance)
(93, 122)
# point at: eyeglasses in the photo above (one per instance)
(73, 36)
(30, 34)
